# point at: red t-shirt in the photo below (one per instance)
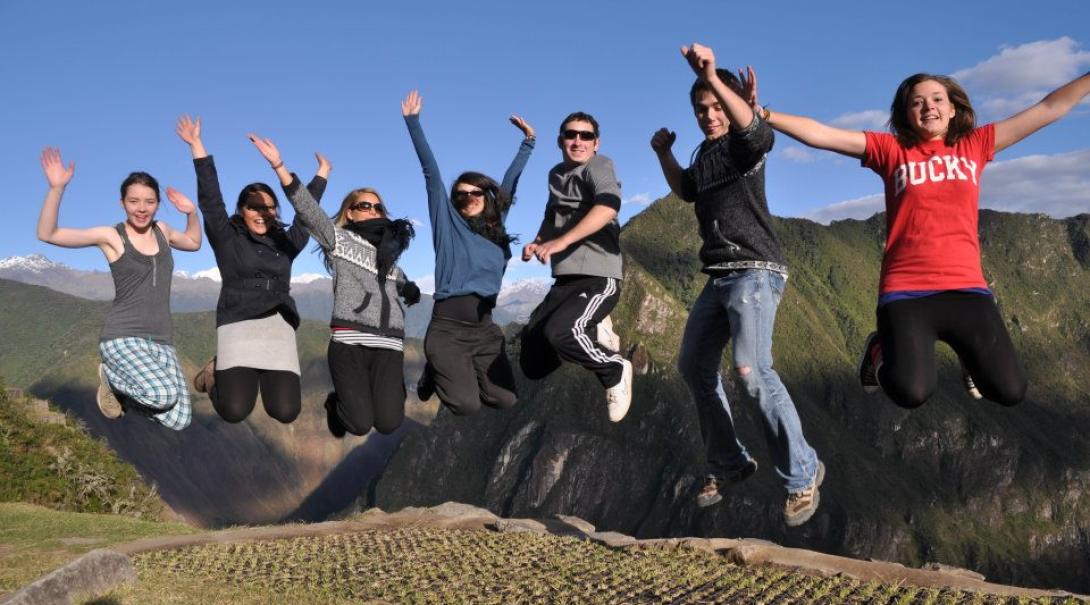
(932, 199)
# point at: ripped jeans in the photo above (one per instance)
(741, 307)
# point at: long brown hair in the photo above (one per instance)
(489, 223)
(964, 117)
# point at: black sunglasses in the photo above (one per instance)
(377, 206)
(584, 135)
(261, 208)
(462, 196)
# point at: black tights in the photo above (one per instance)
(370, 385)
(970, 323)
(234, 393)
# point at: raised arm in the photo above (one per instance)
(1046, 111)
(439, 207)
(307, 209)
(190, 239)
(58, 176)
(852, 143)
(209, 196)
(511, 177)
(702, 61)
(298, 233)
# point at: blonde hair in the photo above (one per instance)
(353, 196)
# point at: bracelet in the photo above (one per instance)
(765, 114)
(279, 165)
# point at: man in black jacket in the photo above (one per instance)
(746, 278)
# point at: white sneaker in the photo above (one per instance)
(619, 396)
(607, 337)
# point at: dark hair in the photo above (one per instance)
(580, 116)
(140, 178)
(701, 86)
(489, 223)
(253, 191)
(964, 117)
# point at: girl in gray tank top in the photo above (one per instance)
(139, 364)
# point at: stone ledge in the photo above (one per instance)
(744, 551)
(88, 577)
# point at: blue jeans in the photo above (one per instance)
(741, 307)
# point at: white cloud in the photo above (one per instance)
(639, 199)
(859, 208)
(426, 284)
(870, 119)
(802, 155)
(1019, 76)
(1057, 185)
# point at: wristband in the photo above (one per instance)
(280, 164)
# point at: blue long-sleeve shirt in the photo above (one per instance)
(465, 262)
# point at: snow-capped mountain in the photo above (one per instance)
(199, 291)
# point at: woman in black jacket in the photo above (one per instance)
(256, 317)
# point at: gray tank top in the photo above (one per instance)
(141, 292)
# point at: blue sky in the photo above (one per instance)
(105, 81)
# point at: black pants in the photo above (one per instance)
(970, 323)
(565, 327)
(370, 385)
(234, 393)
(469, 366)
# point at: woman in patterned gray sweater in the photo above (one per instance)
(361, 246)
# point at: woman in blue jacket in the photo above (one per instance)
(467, 361)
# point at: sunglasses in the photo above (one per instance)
(360, 206)
(583, 135)
(261, 208)
(462, 196)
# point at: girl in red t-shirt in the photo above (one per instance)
(932, 286)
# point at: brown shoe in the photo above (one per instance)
(800, 506)
(206, 378)
(710, 495)
(107, 401)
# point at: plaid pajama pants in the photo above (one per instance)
(149, 374)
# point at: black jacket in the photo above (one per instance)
(255, 269)
(726, 182)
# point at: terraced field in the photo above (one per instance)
(429, 565)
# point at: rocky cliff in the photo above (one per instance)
(962, 482)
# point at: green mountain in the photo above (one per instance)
(212, 473)
(961, 482)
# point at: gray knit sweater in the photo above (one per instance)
(359, 301)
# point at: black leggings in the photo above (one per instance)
(370, 385)
(469, 366)
(234, 393)
(970, 323)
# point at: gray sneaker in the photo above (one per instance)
(800, 506)
(107, 401)
(869, 363)
(710, 495)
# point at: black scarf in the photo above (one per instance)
(390, 239)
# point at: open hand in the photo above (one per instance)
(701, 59)
(412, 104)
(53, 166)
(267, 149)
(749, 85)
(523, 125)
(663, 140)
(324, 166)
(180, 201)
(189, 130)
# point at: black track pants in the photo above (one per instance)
(370, 385)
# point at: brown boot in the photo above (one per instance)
(206, 378)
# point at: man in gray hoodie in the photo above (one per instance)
(580, 237)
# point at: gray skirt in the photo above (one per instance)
(265, 344)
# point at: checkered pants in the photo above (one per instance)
(149, 374)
